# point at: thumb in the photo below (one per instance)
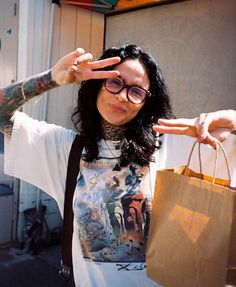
(70, 75)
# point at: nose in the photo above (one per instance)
(122, 96)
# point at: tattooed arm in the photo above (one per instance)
(14, 96)
(72, 68)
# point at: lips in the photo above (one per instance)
(117, 108)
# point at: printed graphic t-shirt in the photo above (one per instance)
(112, 215)
(111, 206)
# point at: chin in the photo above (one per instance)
(113, 120)
(115, 123)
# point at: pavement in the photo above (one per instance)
(19, 269)
(27, 270)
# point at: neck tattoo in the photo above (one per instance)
(112, 133)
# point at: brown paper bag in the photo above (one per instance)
(190, 230)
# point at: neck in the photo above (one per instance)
(111, 132)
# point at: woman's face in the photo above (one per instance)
(115, 108)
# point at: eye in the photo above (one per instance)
(114, 85)
(115, 82)
(137, 92)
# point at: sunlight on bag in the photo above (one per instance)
(191, 227)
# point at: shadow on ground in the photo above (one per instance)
(26, 270)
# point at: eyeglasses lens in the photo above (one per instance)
(135, 94)
(114, 85)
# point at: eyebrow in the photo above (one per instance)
(134, 85)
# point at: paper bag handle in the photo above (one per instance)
(216, 157)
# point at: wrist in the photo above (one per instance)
(51, 79)
(37, 85)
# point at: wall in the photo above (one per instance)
(73, 27)
(195, 44)
(8, 67)
(8, 41)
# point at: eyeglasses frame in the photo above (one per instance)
(128, 87)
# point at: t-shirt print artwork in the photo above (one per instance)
(112, 212)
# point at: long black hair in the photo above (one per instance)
(139, 142)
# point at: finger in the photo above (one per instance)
(83, 59)
(167, 130)
(176, 122)
(70, 75)
(75, 54)
(174, 130)
(104, 63)
(80, 51)
(104, 74)
(212, 141)
(220, 133)
(202, 126)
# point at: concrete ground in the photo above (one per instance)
(28, 270)
(41, 270)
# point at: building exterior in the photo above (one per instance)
(42, 33)
(194, 42)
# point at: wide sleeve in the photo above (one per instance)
(37, 152)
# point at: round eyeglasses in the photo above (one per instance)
(135, 94)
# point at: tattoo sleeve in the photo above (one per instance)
(14, 96)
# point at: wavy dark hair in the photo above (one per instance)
(139, 142)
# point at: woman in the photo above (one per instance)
(113, 193)
(112, 197)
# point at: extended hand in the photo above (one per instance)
(78, 66)
(205, 128)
